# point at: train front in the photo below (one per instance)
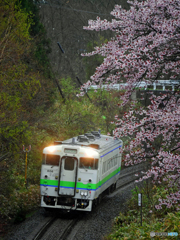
(69, 177)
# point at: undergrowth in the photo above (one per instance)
(127, 226)
(19, 204)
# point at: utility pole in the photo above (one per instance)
(60, 90)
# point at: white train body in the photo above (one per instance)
(77, 171)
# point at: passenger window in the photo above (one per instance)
(52, 159)
(69, 163)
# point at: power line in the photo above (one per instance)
(72, 9)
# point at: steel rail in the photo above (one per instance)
(45, 227)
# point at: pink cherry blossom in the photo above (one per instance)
(145, 47)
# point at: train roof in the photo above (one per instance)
(96, 141)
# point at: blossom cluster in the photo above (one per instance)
(155, 137)
(145, 47)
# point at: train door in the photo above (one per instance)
(68, 176)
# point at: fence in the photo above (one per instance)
(162, 85)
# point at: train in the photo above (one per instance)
(75, 173)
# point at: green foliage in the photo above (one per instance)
(69, 88)
(21, 100)
(14, 34)
(41, 46)
(15, 135)
(107, 103)
(75, 116)
(19, 203)
(127, 225)
(18, 84)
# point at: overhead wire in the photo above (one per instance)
(73, 9)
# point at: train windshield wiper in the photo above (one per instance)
(84, 166)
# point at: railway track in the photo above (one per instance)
(42, 231)
(68, 230)
(59, 227)
(57, 224)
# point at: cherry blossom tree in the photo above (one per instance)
(145, 47)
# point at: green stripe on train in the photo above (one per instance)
(67, 184)
(109, 176)
(49, 182)
(92, 186)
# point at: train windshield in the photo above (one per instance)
(52, 159)
(69, 163)
(88, 163)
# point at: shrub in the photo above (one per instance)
(19, 203)
(128, 225)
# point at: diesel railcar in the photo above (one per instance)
(76, 172)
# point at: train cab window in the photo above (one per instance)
(88, 163)
(52, 159)
(43, 159)
(69, 163)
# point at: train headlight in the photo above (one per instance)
(90, 153)
(51, 149)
